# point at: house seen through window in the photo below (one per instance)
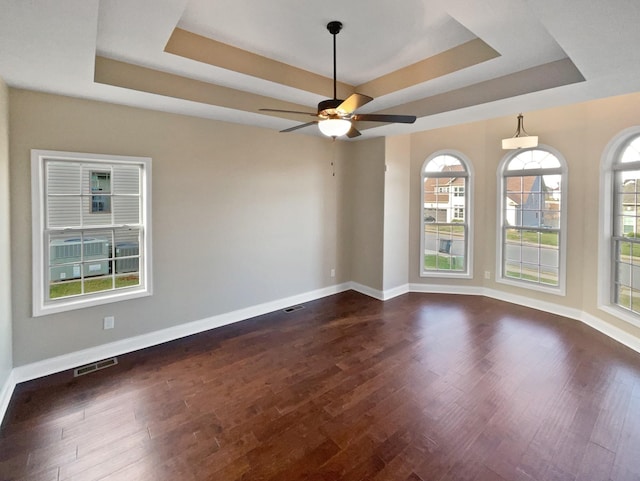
(445, 223)
(101, 190)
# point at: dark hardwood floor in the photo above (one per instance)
(421, 387)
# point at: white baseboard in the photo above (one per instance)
(395, 292)
(545, 306)
(604, 327)
(5, 394)
(86, 356)
(611, 331)
(380, 295)
(367, 291)
(78, 358)
(446, 289)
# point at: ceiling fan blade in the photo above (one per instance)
(353, 102)
(353, 132)
(312, 114)
(399, 119)
(301, 126)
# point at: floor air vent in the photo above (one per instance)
(94, 366)
(293, 309)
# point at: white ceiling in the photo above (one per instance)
(51, 46)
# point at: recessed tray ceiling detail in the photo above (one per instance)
(445, 62)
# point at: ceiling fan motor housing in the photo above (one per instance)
(328, 107)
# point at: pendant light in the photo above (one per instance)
(521, 139)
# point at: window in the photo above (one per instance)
(446, 232)
(621, 229)
(532, 220)
(91, 229)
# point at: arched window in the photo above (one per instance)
(621, 227)
(446, 216)
(532, 220)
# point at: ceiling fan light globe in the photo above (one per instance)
(334, 127)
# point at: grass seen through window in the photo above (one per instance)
(546, 238)
(74, 288)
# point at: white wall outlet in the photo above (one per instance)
(487, 274)
(333, 272)
(109, 322)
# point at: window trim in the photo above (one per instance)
(41, 306)
(502, 174)
(469, 217)
(606, 265)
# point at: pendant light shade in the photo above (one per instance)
(334, 127)
(521, 139)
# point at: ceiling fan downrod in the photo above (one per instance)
(334, 28)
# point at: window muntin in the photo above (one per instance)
(91, 229)
(445, 223)
(626, 228)
(533, 185)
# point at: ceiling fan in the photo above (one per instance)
(336, 116)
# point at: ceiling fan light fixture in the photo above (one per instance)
(521, 139)
(334, 127)
(337, 116)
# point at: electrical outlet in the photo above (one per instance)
(109, 322)
(487, 274)
(333, 272)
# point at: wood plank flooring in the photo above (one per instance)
(421, 387)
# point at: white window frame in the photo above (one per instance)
(468, 220)
(40, 272)
(560, 289)
(606, 262)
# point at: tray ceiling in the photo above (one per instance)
(446, 62)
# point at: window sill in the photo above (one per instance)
(556, 291)
(620, 313)
(61, 305)
(446, 275)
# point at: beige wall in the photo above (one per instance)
(241, 216)
(6, 362)
(244, 216)
(580, 133)
(469, 140)
(396, 212)
(366, 177)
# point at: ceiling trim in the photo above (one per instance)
(133, 77)
(206, 50)
(468, 54)
(143, 79)
(542, 77)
